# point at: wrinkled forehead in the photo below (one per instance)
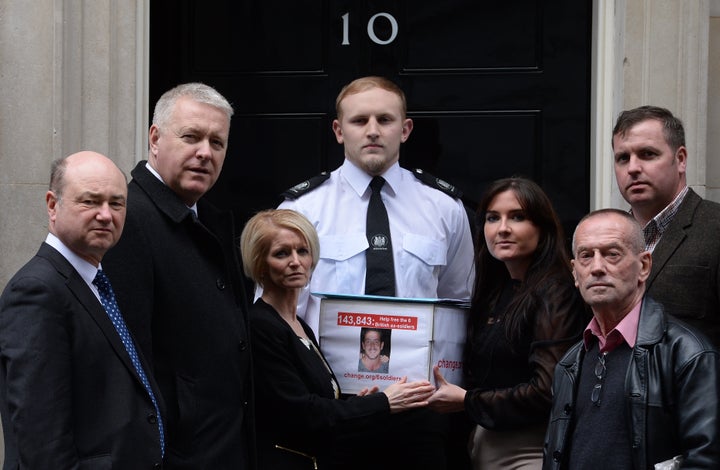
(601, 231)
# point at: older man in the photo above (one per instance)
(680, 228)
(178, 276)
(74, 390)
(642, 387)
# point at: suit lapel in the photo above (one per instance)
(91, 304)
(674, 235)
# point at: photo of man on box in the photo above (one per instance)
(374, 357)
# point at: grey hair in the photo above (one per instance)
(57, 176)
(635, 238)
(197, 92)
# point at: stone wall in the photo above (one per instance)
(74, 75)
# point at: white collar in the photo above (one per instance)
(86, 270)
(359, 180)
(157, 175)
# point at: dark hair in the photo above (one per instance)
(550, 260)
(384, 338)
(672, 127)
(57, 176)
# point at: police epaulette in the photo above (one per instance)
(437, 183)
(306, 186)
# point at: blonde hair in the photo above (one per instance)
(259, 231)
(366, 83)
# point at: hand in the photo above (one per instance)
(448, 398)
(404, 396)
(367, 391)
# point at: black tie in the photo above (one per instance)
(380, 272)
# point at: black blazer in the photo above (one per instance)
(70, 396)
(179, 280)
(296, 405)
(684, 275)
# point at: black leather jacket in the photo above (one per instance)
(672, 388)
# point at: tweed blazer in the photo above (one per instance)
(684, 275)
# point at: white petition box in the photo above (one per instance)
(416, 334)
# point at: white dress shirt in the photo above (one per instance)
(157, 175)
(431, 239)
(85, 269)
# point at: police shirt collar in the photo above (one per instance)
(360, 181)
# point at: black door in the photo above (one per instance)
(495, 88)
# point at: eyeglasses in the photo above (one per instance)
(600, 371)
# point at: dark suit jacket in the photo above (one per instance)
(178, 279)
(70, 396)
(684, 275)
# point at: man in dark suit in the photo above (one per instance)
(73, 389)
(177, 272)
(680, 228)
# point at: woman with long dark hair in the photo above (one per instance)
(525, 313)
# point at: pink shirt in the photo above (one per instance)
(626, 331)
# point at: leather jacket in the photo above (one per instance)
(672, 387)
(510, 396)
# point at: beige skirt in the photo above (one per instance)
(509, 450)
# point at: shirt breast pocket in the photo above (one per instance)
(342, 258)
(420, 262)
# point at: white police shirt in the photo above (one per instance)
(432, 244)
